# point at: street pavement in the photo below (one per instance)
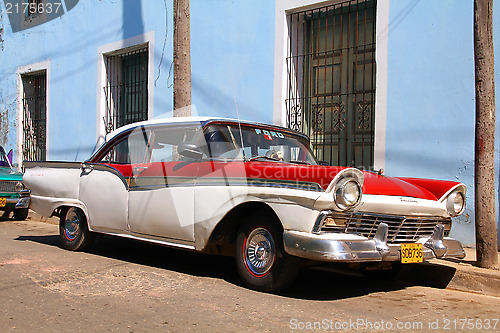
(122, 285)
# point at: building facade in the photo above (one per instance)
(376, 84)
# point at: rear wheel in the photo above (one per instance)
(73, 230)
(261, 260)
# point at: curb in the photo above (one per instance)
(455, 274)
(37, 217)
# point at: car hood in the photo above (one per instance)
(374, 184)
(10, 174)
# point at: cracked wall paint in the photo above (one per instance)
(7, 123)
(1, 30)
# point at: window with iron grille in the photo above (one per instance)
(331, 80)
(32, 8)
(34, 116)
(126, 90)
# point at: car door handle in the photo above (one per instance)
(138, 170)
(87, 168)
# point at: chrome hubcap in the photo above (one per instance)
(260, 251)
(72, 224)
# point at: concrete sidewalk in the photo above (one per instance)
(456, 274)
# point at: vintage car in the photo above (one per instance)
(245, 189)
(14, 197)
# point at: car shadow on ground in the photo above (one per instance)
(312, 283)
(337, 285)
(6, 219)
(47, 240)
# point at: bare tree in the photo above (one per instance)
(485, 217)
(182, 59)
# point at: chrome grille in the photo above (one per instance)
(8, 186)
(401, 228)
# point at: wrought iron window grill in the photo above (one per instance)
(34, 116)
(126, 90)
(32, 8)
(331, 80)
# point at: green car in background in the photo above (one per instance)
(14, 197)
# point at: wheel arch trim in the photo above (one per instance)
(226, 229)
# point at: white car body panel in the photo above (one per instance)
(165, 212)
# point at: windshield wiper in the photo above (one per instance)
(263, 157)
(300, 162)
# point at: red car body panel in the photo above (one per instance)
(374, 184)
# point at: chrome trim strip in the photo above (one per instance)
(25, 193)
(320, 220)
(152, 183)
(143, 237)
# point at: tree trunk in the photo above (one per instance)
(182, 59)
(485, 217)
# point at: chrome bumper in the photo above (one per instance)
(328, 247)
(22, 202)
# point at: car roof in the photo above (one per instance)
(190, 120)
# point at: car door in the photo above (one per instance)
(104, 185)
(161, 193)
(104, 191)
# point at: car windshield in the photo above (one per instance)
(4, 160)
(255, 143)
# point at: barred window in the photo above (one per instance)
(126, 90)
(34, 116)
(331, 80)
(33, 8)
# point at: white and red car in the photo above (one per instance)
(246, 189)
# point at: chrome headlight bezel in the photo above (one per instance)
(347, 193)
(455, 203)
(20, 187)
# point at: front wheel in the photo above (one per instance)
(73, 230)
(20, 214)
(261, 260)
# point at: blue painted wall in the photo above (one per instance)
(232, 62)
(232, 46)
(431, 96)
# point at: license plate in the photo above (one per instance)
(3, 202)
(411, 253)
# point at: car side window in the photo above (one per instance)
(165, 140)
(150, 145)
(131, 150)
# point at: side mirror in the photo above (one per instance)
(189, 150)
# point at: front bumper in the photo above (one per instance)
(334, 247)
(23, 201)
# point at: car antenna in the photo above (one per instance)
(238, 115)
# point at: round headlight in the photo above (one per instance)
(347, 193)
(455, 203)
(20, 186)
